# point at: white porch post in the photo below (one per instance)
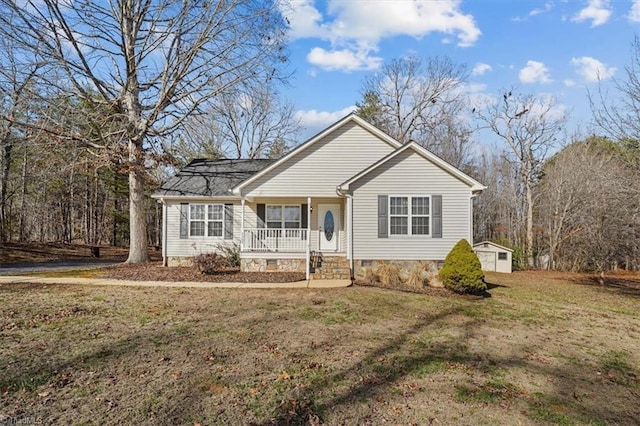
(242, 225)
(308, 256)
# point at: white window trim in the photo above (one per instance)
(207, 221)
(409, 233)
(283, 219)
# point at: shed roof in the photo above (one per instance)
(491, 243)
(211, 178)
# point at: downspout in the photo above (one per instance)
(165, 261)
(350, 234)
(471, 218)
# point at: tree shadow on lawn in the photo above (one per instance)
(619, 284)
(578, 394)
(309, 405)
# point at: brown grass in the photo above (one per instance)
(417, 276)
(388, 275)
(543, 349)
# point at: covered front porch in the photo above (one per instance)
(291, 233)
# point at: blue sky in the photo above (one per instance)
(556, 48)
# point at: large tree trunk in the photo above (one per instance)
(6, 164)
(529, 222)
(138, 250)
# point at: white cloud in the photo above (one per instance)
(345, 59)
(481, 68)
(350, 25)
(535, 72)
(304, 19)
(597, 11)
(634, 13)
(547, 107)
(547, 7)
(591, 69)
(314, 120)
(569, 83)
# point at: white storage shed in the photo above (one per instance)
(493, 257)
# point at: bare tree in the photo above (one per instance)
(411, 99)
(247, 121)
(588, 212)
(529, 126)
(17, 95)
(151, 64)
(621, 119)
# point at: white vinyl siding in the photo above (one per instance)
(320, 168)
(194, 245)
(410, 175)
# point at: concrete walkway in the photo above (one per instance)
(101, 281)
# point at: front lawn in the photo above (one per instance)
(543, 349)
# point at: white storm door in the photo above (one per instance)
(328, 227)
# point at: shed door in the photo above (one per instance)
(487, 260)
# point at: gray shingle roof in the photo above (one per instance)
(210, 178)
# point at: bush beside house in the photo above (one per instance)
(462, 272)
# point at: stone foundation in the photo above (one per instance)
(362, 268)
(179, 261)
(273, 265)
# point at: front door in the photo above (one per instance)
(328, 226)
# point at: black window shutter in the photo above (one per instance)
(228, 221)
(383, 216)
(184, 221)
(436, 202)
(262, 216)
(304, 219)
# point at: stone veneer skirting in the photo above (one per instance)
(273, 265)
(179, 261)
(431, 268)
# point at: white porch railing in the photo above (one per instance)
(274, 239)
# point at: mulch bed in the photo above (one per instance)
(154, 271)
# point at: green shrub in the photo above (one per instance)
(461, 271)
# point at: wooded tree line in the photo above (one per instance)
(559, 200)
(99, 100)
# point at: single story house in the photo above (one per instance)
(494, 257)
(348, 197)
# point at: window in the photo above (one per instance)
(287, 217)
(206, 220)
(398, 215)
(419, 215)
(502, 255)
(408, 215)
